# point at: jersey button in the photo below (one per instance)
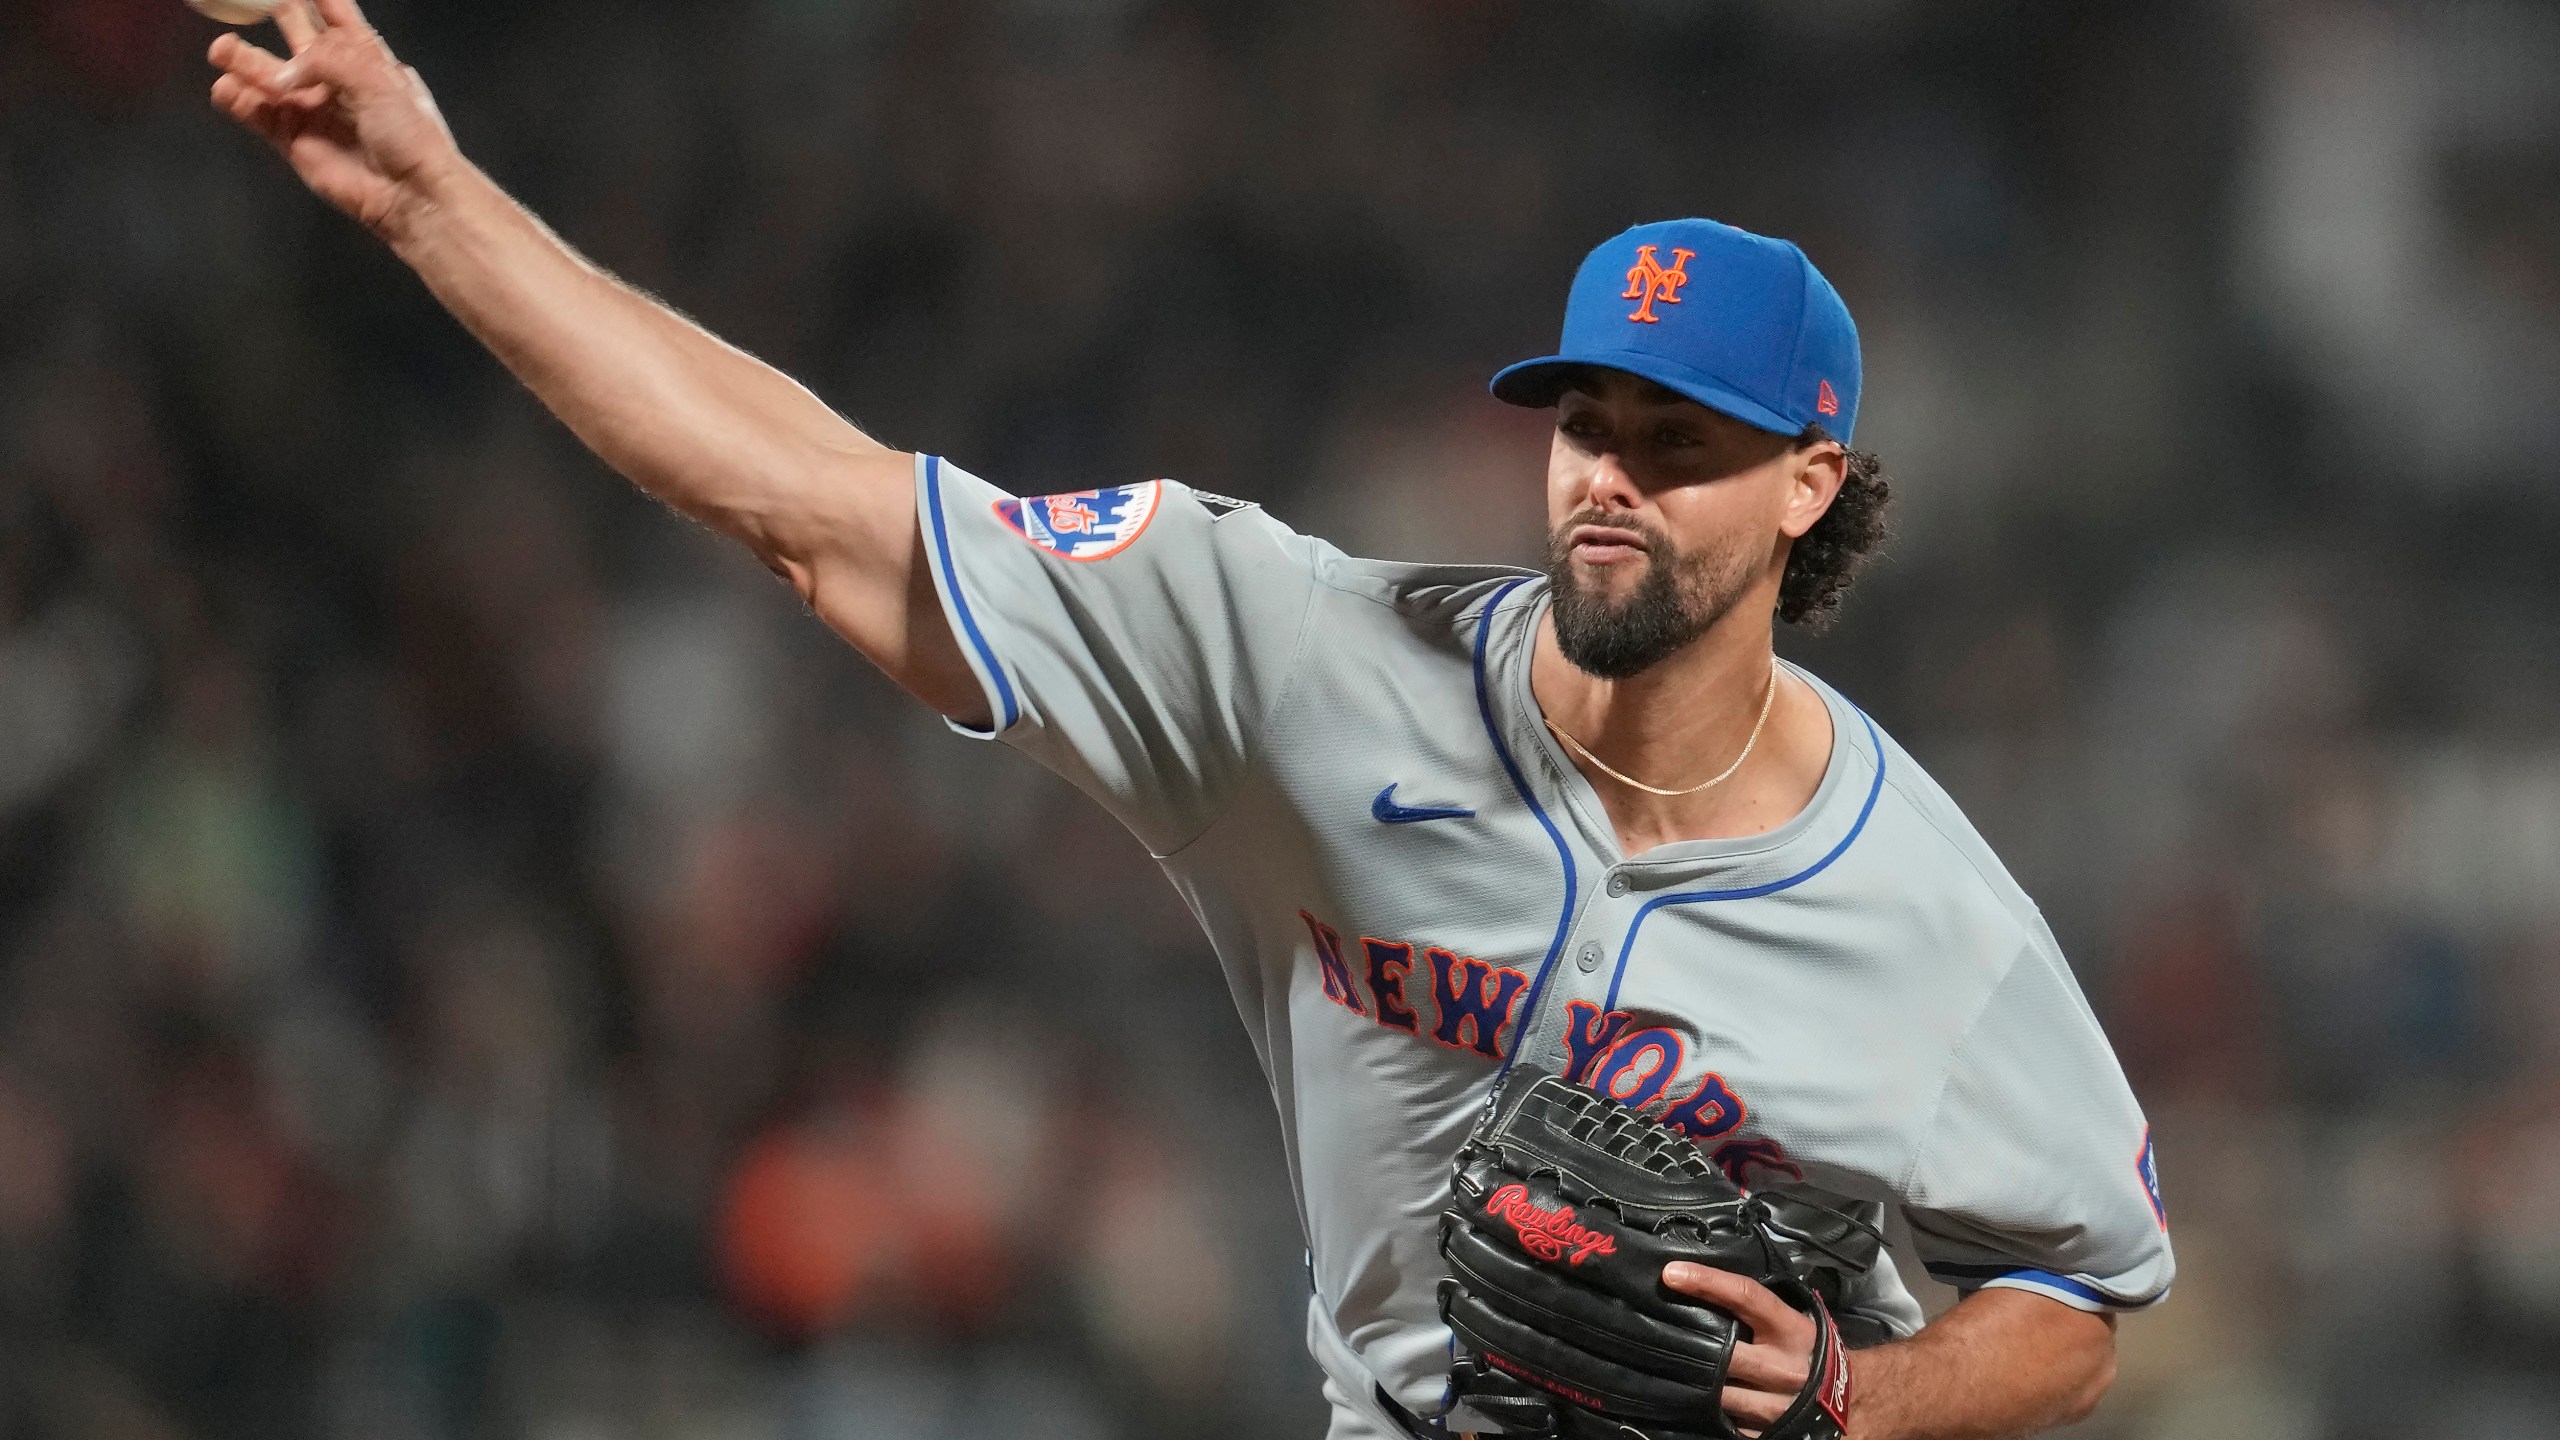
(1617, 884)
(1589, 959)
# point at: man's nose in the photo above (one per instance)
(1610, 486)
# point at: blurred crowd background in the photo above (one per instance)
(476, 960)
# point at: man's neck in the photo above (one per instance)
(1682, 721)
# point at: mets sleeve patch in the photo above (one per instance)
(1084, 524)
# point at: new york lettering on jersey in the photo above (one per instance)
(1469, 1004)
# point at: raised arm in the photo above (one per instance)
(696, 422)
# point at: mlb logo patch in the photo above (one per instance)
(1086, 524)
(2147, 1165)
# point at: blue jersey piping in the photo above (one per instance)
(1693, 897)
(960, 600)
(1979, 1274)
(1564, 855)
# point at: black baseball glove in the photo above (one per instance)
(1563, 1209)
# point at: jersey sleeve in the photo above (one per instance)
(1131, 639)
(2036, 1172)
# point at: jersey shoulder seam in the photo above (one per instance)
(1991, 889)
(1396, 602)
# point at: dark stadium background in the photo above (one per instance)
(476, 960)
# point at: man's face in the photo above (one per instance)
(1665, 515)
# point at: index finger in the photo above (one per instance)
(301, 28)
(341, 12)
(1770, 1318)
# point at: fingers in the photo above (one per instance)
(1755, 1408)
(320, 57)
(250, 106)
(233, 98)
(1767, 1373)
(1770, 1369)
(247, 63)
(341, 12)
(241, 101)
(1772, 1320)
(262, 72)
(345, 67)
(340, 55)
(300, 24)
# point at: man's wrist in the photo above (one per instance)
(1873, 1411)
(426, 204)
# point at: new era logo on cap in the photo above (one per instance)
(1738, 322)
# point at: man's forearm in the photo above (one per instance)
(2003, 1363)
(696, 422)
(693, 420)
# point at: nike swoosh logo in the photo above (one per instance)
(1386, 811)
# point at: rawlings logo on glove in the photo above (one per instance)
(1547, 1234)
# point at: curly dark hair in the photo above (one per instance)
(1830, 555)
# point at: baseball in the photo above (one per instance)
(235, 12)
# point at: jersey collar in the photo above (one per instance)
(1562, 790)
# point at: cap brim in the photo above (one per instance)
(1536, 384)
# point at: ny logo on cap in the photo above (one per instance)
(1647, 282)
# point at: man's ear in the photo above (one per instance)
(1819, 470)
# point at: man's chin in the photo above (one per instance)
(1609, 656)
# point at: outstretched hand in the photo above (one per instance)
(357, 125)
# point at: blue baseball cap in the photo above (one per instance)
(1735, 321)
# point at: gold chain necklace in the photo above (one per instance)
(1578, 748)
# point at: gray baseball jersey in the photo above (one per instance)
(1340, 765)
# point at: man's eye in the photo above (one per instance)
(1671, 439)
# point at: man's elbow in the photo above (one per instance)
(793, 571)
(2097, 1374)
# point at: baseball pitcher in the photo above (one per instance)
(1612, 977)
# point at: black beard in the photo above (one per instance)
(1620, 641)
